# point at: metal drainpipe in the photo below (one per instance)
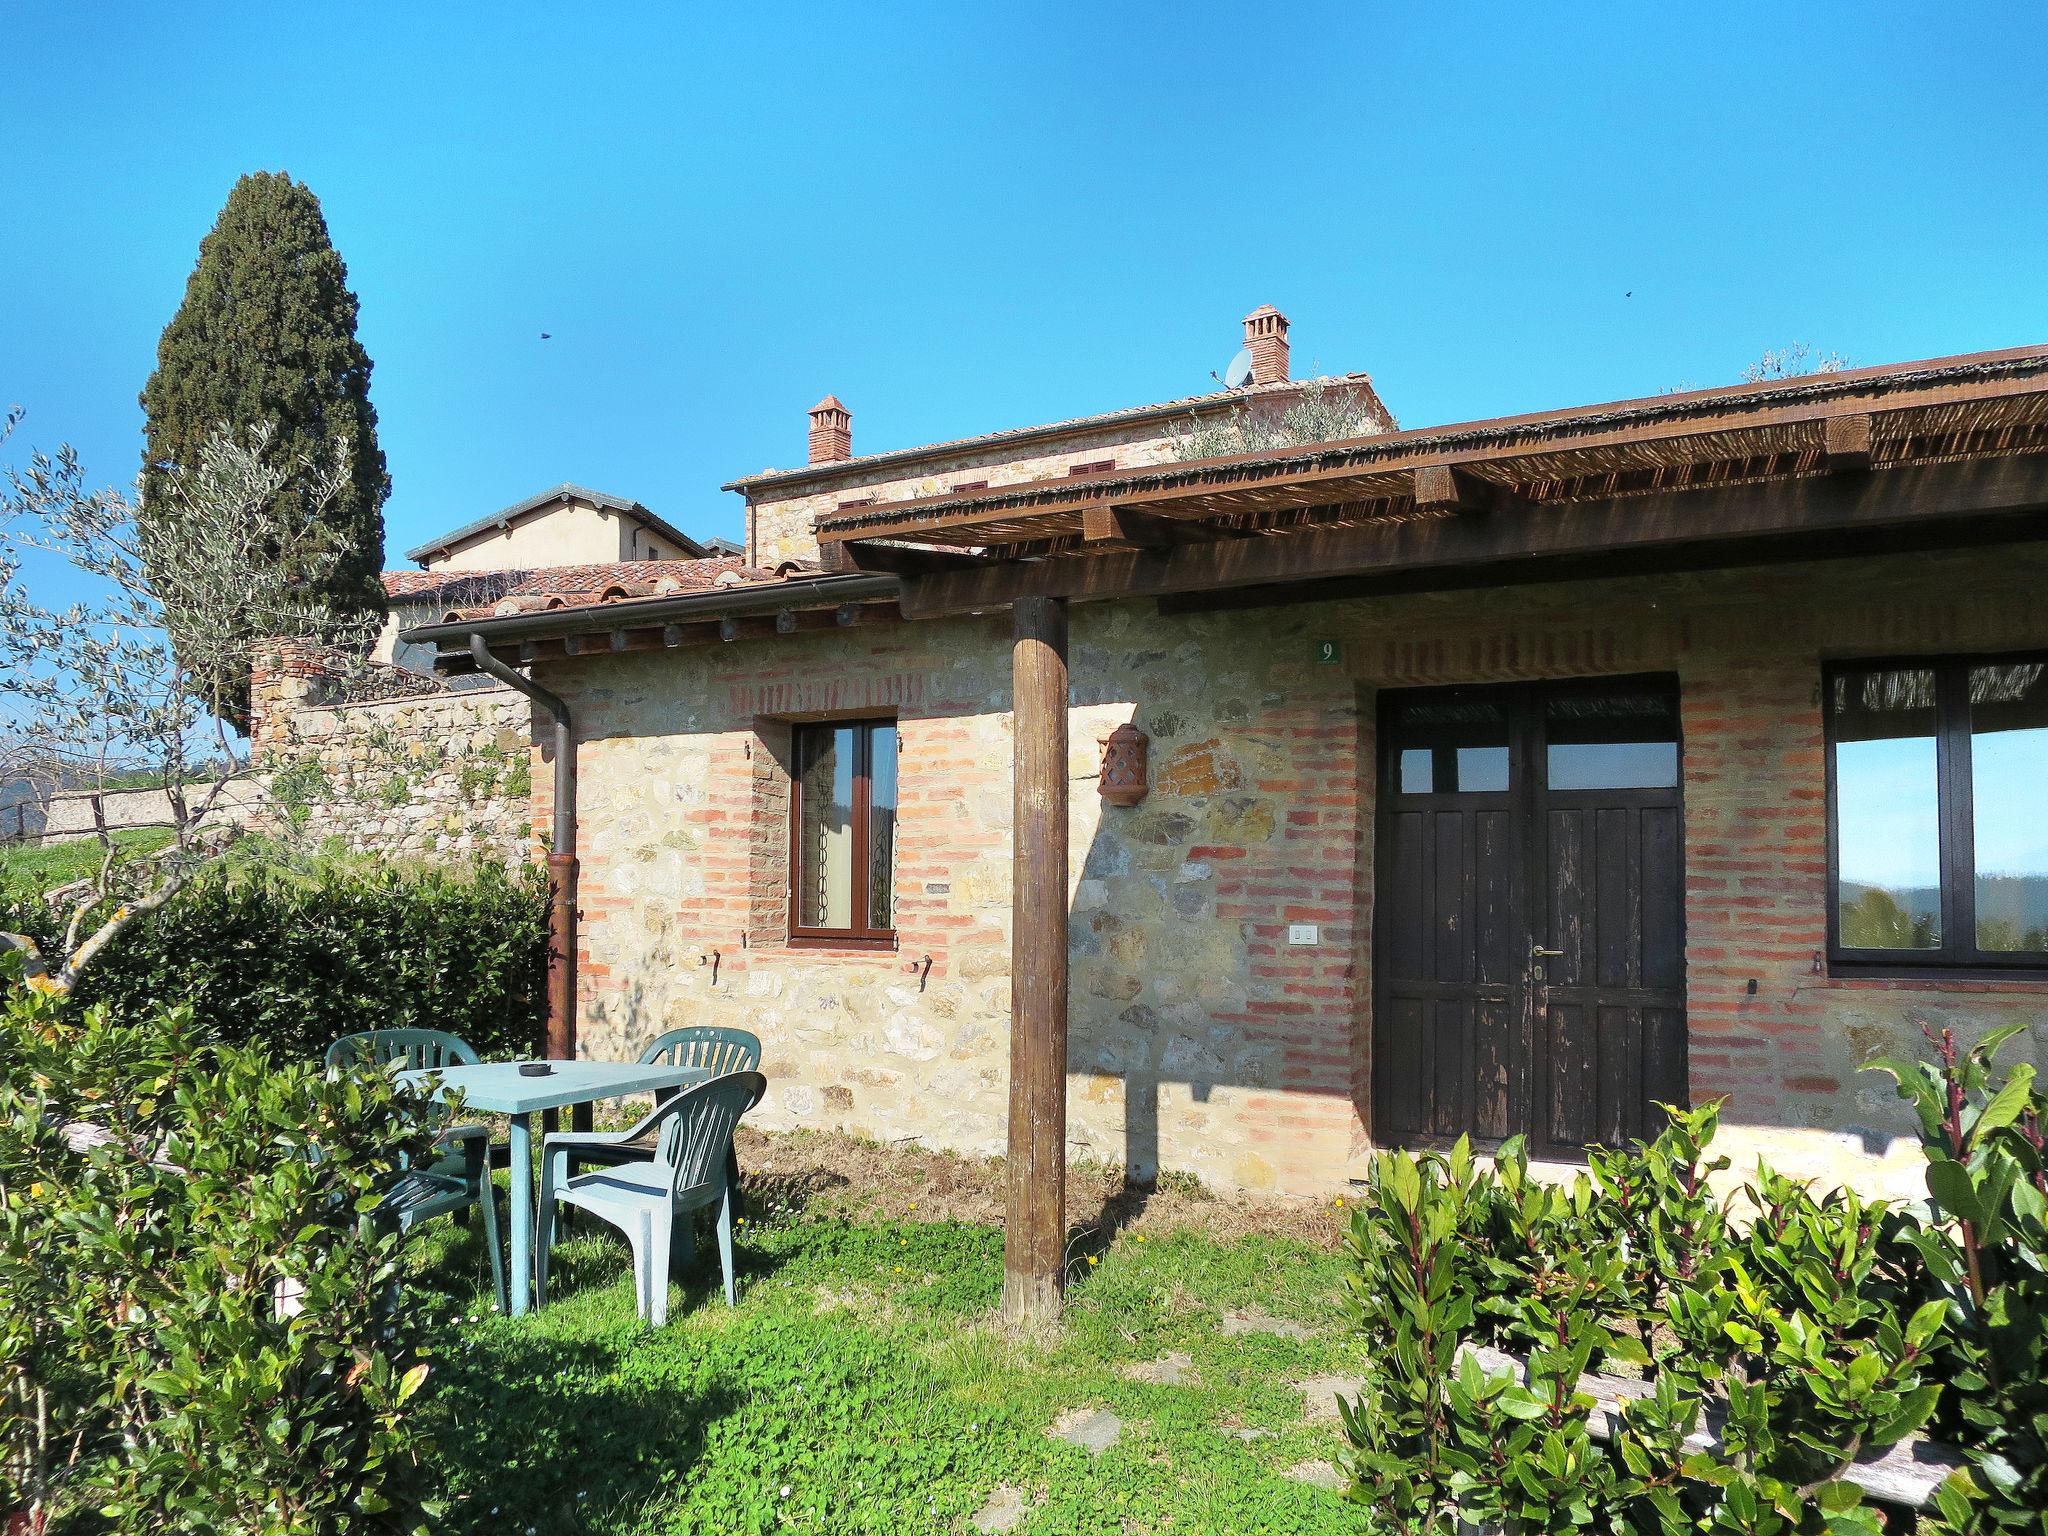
(561, 855)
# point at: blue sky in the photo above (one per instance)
(962, 218)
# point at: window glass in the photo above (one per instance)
(882, 826)
(1622, 738)
(1887, 809)
(2008, 772)
(827, 756)
(1451, 745)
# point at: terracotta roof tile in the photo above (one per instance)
(478, 594)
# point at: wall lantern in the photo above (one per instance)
(1123, 765)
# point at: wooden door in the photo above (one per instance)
(1529, 953)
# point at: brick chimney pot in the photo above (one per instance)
(831, 431)
(1265, 337)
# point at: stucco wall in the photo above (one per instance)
(575, 533)
(1200, 1040)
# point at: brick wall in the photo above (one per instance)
(1200, 1039)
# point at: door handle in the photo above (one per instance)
(1538, 952)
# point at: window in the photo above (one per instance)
(1611, 736)
(1936, 854)
(1451, 744)
(843, 833)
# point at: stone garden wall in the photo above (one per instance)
(382, 761)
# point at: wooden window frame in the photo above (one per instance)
(1958, 957)
(861, 936)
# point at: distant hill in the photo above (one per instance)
(2012, 913)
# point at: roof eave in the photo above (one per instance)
(821, 591)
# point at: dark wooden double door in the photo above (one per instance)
(1529, 949)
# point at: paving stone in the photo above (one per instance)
(1004, 1511)
(1319, 1394)
(1317, 1474)
(1242, 1321)
(1095, 1430)
(1176, 1368)
(1247, 1432)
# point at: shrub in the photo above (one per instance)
(1818, 1329)
(292, 962)
(155, 1194)
(1988, 1264)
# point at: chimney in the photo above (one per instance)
(1265, 337)
(832, 427)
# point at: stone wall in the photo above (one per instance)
(383, 761)
(780, 523)
(1201, 1040)
(1197, 1042)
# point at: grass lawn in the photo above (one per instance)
(25, 866)
(861, 1385)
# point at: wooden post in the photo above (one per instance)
(1035, 1232)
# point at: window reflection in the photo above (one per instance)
(882, 826)
(2008, 769)
(1611, 738)
(1887, 809)
(827, 756)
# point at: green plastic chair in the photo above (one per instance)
(649, 1200)
(417, 1049)
(461, 1177)
(718, 1051)
(450, 1187)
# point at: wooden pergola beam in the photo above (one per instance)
(1143, 530)
(1447, 488)
(866, 555)
(1706, 521)
(1848, 440)
(1035, 1225)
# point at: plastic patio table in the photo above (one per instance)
(499, 1088)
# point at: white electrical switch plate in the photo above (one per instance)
(1303, 933)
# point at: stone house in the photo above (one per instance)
(565, 541)
(1499, 778)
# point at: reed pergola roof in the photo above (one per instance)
(1915, 415)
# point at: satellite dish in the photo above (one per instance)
(1239, 373)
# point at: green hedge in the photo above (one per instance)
(292, 962)
(1812, 1327)
(200, 1334)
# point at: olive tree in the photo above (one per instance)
(130, 681)
(1319, 413)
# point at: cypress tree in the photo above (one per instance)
(267, 332)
